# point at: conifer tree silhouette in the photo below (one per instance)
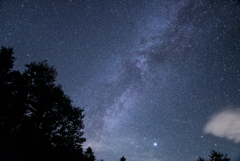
(216, 156)
(123, 158)
(89, 155)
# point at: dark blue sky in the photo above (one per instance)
(159, 80)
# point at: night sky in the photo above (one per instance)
(159, 80)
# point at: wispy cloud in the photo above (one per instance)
(225, 124)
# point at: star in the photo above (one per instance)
(144, 72)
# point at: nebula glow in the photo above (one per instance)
(149, 74)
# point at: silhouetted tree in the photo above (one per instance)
(89, 155)
(6, 60)
(37, 120)
(8, 84)
(200, 159)
(123, 158)
(216, 156)
(12, 96)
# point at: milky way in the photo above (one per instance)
(154, 77)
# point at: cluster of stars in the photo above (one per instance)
(156, 70)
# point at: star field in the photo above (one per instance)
(156, 78)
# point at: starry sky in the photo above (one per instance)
(159, 80)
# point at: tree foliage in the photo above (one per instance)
(89, 155)
(200, 159)
(216, 156)
(37, 120)
(123, 158)
(6, 60)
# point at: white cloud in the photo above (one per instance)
(225, 124)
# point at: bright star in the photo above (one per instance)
(155, 144)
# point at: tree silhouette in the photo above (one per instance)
(89, 155)
(200, 159)
(37, 120)
(11, 97)
(6, 60)
(123, 158)
(8, 86)
(216, 156)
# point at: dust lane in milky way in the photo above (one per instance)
(155, 77)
